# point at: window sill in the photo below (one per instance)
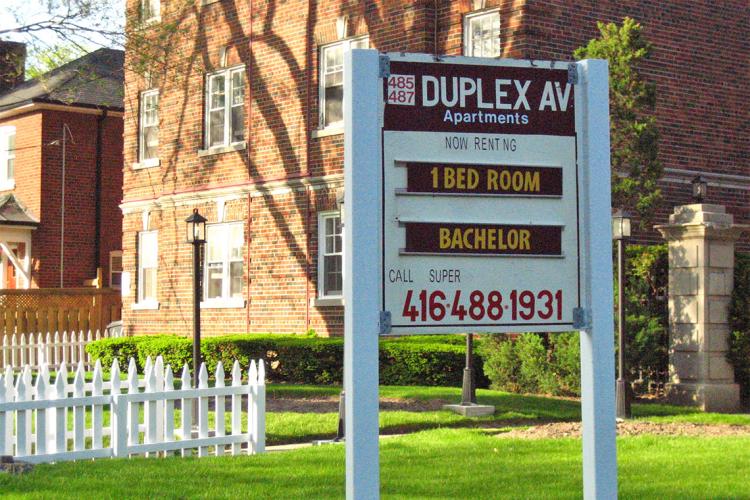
(223, 304)
(238, 146)
(151, 162)
(150, 21)
(328, 131)
(148, 305)
(7, 185)
(328, 302)
(208, 2)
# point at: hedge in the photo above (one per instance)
(300, 360)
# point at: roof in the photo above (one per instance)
(14, 213)
(94, 80)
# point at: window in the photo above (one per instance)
(330, 255)
(332, 79)
(7, 157)
(148, 133)
(148, 259)
(482, 34)
(150, 10)
(224, 262)
(115, 269)
(225, 108)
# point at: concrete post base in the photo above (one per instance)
(720, 398)
(472, 410)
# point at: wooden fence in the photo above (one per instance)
(34, 415)
(50, 310)
(37, 350)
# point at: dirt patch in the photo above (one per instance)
(331, 404)
(630, 428)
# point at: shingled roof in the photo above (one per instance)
(14, 213)
(94, 80)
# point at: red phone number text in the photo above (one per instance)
(516, 305)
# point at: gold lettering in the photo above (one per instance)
(445, 238)
(524, 239)
(457, 242)
(449, 178)
(472, 178)
(479, 239)
(467, 242)
(532, 182)
(517, 181)
(491, 180)
(505, 180)
(513, 239)
(500, 242)
(491, 239)
(461, 178)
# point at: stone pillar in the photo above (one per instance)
(701, 241)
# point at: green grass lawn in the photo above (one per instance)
(441, 463)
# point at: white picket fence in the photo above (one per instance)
(35, 415)
(52, 349)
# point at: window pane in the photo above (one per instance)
(215, 273)
(149, 284)
(484, 35)
(215, 242)
(235, 285)
(11, 168)
(334, 97)
(332, 283)
(238, 88)
(236, 239)
(148, 251)
(216, 127)
(362, 43)
(217, 92)
(238, 123)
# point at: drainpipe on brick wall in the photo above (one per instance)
(435, 26)
(98, 193)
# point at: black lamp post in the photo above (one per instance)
(700, 188)
(468, 388)
(196, 236)
(620, 233)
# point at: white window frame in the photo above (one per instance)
(112, 255)
(147, 302)
(345, 45)
(152, 7)
(228, 105)
(7, 154)
(322, 218)
(144, 162)
(225, 300)
(478, 17)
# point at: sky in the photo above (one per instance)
(29, 11)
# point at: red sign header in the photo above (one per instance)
(441, 97)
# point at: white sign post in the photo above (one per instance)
(477, 200)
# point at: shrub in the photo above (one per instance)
(739, 319)
(646, 319)
(299, 359)
(534, 363)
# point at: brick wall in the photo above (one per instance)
(289, 170)
(38, 179)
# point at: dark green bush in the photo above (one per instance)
(534, 363)
(300, 360)
(646, 318)
(739, 319)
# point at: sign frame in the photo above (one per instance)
(363, 73)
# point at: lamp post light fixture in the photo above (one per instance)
(196, 236)
(700, 188)
(620, 233)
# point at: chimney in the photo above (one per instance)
(12, 64)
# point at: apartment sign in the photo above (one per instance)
(481, 221)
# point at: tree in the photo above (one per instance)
(44, 59)
(634, 135)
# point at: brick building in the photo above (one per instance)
(244, 124)
(61, 173)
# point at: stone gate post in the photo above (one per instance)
(701, 240)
